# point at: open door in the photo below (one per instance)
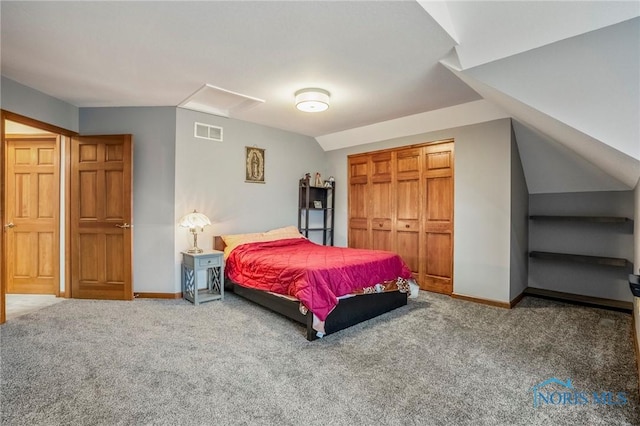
(32, 206)
(101, 217)
(30, 181)
(97, 212)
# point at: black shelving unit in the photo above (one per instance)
(316, 210)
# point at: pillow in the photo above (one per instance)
(234, 240)
(283, 233)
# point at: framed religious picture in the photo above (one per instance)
(254, 164)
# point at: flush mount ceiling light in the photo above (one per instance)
(312, 100)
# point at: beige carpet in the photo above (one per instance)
(436, 361)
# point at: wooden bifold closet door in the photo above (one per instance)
(402, 200)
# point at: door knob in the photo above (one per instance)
(9, 225)
(124, 225)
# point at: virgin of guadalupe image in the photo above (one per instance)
(255, 166)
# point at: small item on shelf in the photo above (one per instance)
(318, 182)
(317, 204)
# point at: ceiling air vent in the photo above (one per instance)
(207, 131)
(218, 101)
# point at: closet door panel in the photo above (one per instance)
(358, 236)
(408, 246)
(407, 204)
(438, 259)
(381, 201)
(407, 197)
(438, 218)
(439, 207)
(408, 164)
(381, 240)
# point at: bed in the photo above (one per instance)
(326, 289)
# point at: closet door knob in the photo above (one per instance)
(9, 225)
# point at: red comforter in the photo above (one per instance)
(314, 274)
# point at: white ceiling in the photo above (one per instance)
(379, 60)
(562, 69)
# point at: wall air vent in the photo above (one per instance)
(207, 131)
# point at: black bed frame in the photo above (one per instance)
(348, 312)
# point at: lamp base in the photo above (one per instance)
(195, 248)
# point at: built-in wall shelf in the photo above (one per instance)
(598, 302)
(592, 219)
(582, 242)
(596, 260)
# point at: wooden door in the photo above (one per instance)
(381, 204)
(101, 217)
(408, 168)
(437, 223)
(32, 201)
(358, 202)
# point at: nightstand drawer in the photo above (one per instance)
(216, 261)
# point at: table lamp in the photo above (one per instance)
(193, 221)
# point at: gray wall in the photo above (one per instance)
(519, 223)
(607, 239)
(483, 207)
(31, 103)
(153, 130)
(210, 177)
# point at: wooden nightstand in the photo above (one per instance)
(211, 261)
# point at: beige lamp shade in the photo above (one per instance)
(194, 220)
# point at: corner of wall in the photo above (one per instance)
(519, 236)
(34, 104)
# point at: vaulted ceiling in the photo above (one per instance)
(568, 73)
